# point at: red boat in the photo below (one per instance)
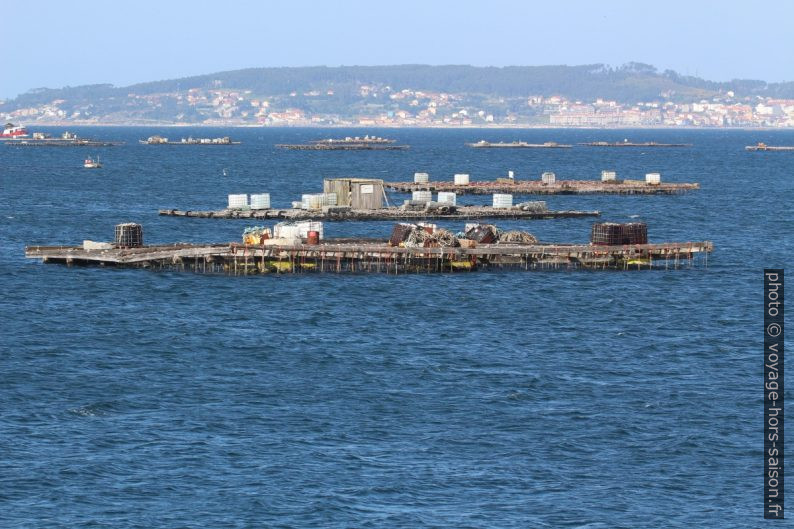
(11, 131)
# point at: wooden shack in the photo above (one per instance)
(358, 193)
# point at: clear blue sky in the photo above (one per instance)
(58, 43)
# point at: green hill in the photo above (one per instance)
(285, 87)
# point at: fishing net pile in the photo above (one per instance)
(538, 206)
(516, 236)
(420, 238)
(430, 236)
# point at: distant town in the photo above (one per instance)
(354, 104)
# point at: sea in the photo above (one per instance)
(506, 399)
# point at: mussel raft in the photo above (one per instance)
(372, 256)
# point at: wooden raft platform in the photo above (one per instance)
(761, 147)
(482, 144)
(536, 187)
(56, 142)
(369, 255)
(373, 146)
(393, 214)
(192, 142)
(633, 144)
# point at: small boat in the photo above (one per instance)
(11, 131)
(90, 163)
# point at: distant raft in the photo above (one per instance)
(627, 143)
(356, 143)
(764, 147)
(160, 140)
(482, 144)
(67, 139)
(550, 185)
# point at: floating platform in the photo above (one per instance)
(144, 142)
(369, 146)
(57, 142)
(369, 255)
(633, 144)
(159, 140)
(355, 140)
(482, 144)
(393, 214)
(765, 147)
(536, 187)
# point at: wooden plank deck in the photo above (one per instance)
(392, 214)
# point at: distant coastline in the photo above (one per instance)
(414, 96)
(500, 126)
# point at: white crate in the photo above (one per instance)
(318, 200)
(306, 226)
(311, 201)
(238, 201)
(653, 179)
(461, 179)
(548, 177)
(260, 201)
(422, 196)
(609, 176)
(421, 178)
(286, 230)
(297, 230)
(447, 197)
(501, 200)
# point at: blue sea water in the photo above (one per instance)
(139, 399)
